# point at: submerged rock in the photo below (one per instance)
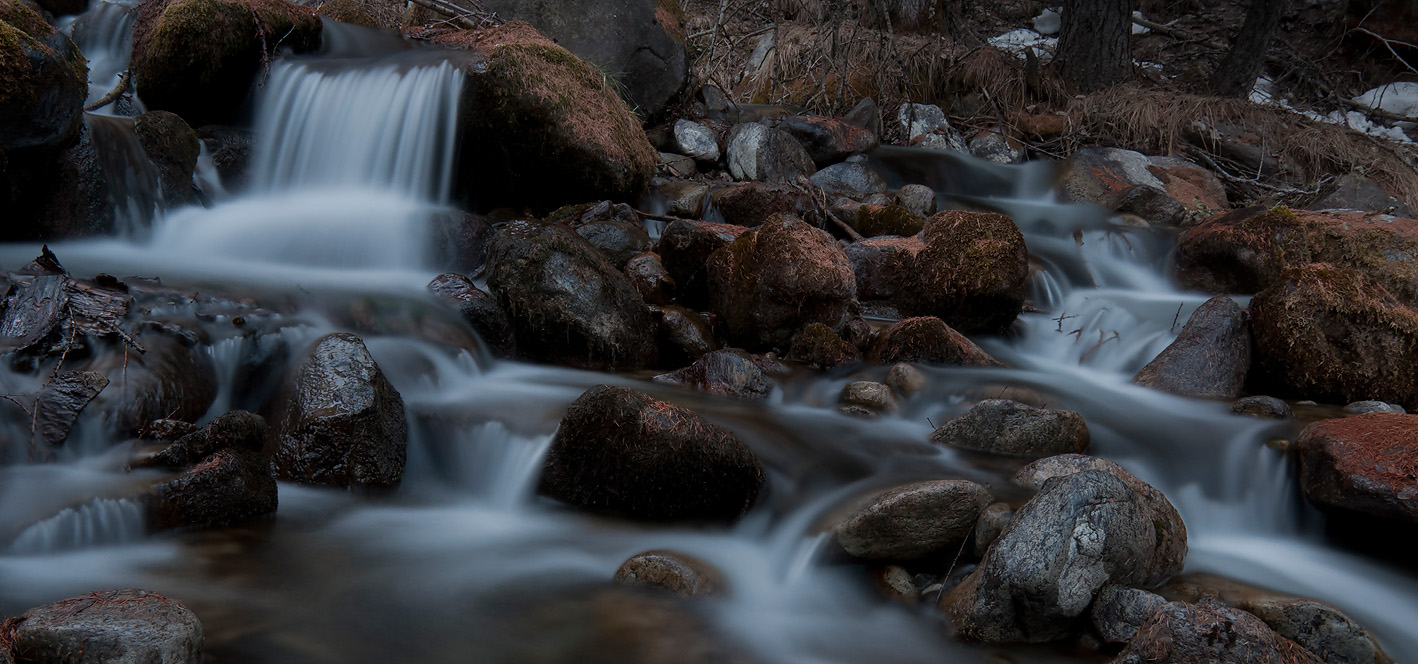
(622, 453)
(1001, 426)
(1180, 633)
(110, 626)
(43, 81)
(479, 309)
(1209, 359)
(676, 572)
(730, 372)
(1366, 464)
(927, 340)
(913, 521)
(971, 273)
(231, 486)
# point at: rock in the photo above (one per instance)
(1365, 464)
(913, 521)
(533, 113)
(684, 197)
(1118, 612)
(230, 487)
(1011, 428)
(342, 424)
(988, 526)
(1319, 628)
(1209, 632)
(237, 430)
(971, 273)
(917, 198)
(230, 148)
(621, 453)
(676, 165)
(1209, 359)
(60, 7)
(826, 140)
(568, 305)
(676, 572)
(895, 583)
(1361, 407)
(817, 346)
(479, 309)
(777, 278)
(198, 58)
(696, 141)
(1263, 406)
(1330, 333)
(347, 11)
(883, 265)
(43, 81)
(1101, 175)
(173, 149)
(1149, 203)
(1081, 532)
(650, 278)
(917, 120)
(759, 153)
(730, 372)
(685, 247)
(684, 334)
(1353, 192)
(927, 340)
(890, 220)
(61, 400)
(1247, 251)
(947, 140)
(871, 395)
(905, 379)
(640, 44)
(110, 626)
(849, 179)
(166, 430)
(613, 229)
(994, 148)
(170, 380)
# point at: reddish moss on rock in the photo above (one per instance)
(347, 11)
(927, 340)
(1365, 464)
(971, 273)
(879, 220)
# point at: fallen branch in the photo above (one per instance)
(113, 94)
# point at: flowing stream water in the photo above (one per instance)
(465, 563)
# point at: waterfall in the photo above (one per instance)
(98, 522)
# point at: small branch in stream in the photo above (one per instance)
(113, 94)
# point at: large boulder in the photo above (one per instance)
(567, 304)
(1363, 464)
(757, 152)
(685, 247)
(777, 278)
(927, 340)
(538, 124)
(622, 453)
(173, 148)
(43, 81)
(1180, 633)
(638, 42)
(341, 423)
(1249, 250)
(729, 372)
(1330, 333)
(1106, 176)
(971, 273)
(112, 627)
(913, 521)
(1000, 426)
(1089, 525)
(1209, 359)
(199, 58)
(229, 487)
(883, 265)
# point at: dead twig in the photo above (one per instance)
(113, 94)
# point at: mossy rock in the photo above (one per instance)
(541, 126)
(817, 346)
(173, 148)
(198, 58)
(879, 220)
(347, 11)
(971, 273)
(43, 81)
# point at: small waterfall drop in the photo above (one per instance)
(100, 521)
(133, 186)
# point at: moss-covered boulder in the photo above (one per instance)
(777, 278)
(971, 273)
(879, 220)
(198, 58)
(1334, 334)
(751, 203)
(347, 11)
(43, 81)
(1362, 465)
(173, 148)
(685, 247)
(1246, 251)
(927, 340)
(540, 126)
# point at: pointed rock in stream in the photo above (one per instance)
(1209, 359)
(1001, 426)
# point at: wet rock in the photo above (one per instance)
(113, 626)
(927, 340)
(895, 582)
(971, 272)
(850, 179)
(676, 165)
(1000, 426)
(230, 148)
(917, 120)
(913, 521)
(1209, 359)
(676, 572)
(730, 372)
(1365, 464)
(871, 395)
(777, 278)
(866, 115)
(889, 220)
(763, 154)
(684, 335)
(994, 148)
(61, 400)
(1249, 250)
(1330, 333)
(532, 113)
(43, 81)
(621, 453)
(1319, 628)
(171, 379)
(650, 278)
(826, 140)
(614, 229)
(817, 346)
(462, 240)
(1149, 203)
(567, 304)
(905, 379)
(1082, 531)
(917, 198)
(751, 203)
(1209, 632)
(883, 265)
(1263, 406)
(1119, 611)
(479, 309)
(696, 141)
(342, 423)
(1353, 192)
(229, 487)
(173, 149)
(1101, 175)
(238, 430)
(199, 58)
(36, 311)
(684, 197)
(988, 526)
(1361, 407)
(166, 430)
(685, 247)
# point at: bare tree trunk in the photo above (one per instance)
(1237, 73)
(1095, 43)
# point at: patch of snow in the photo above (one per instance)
(1264, 91)
(1397, 98)
(1137, 29)
(1018, 42)
(1393, 95)
(1048, 22)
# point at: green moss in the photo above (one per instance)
(348, 11)
(24, 19)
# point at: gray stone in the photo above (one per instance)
(696, 141)
(1118, 611)
(676, 572)
(1319, 628)
(729, 372)
(1358, 193)
(883, 265)
(913, 521)
(916, 120)
(905, 379)
(994, 148)
(869, 394)
(917, 198)
(1361, 407)
(677, 165)
(763, 154)
(826, 140)
(110, 627)
(1000, 426)
(685, 198)
(989, 525)
(1209, 359)
(1179, 633)
(849, 179)
(947, 140)
(1263, 406)
(865, 114)
(1151, 203)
